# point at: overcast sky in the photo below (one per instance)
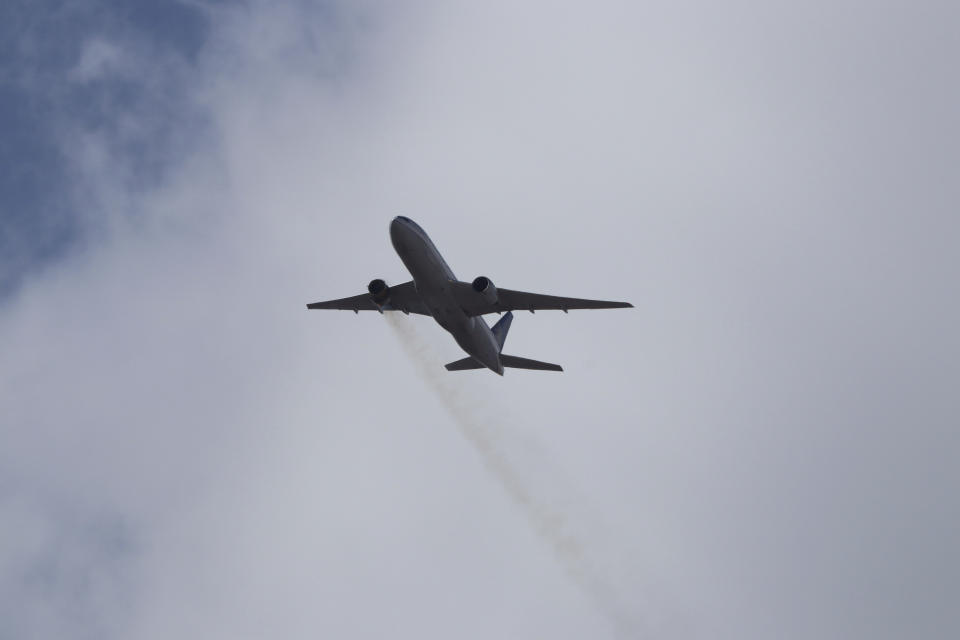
(766, 446)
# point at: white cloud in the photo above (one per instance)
(764, 447)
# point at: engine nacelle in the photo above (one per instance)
(485, 287)
(379, 292)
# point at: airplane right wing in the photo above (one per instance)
(402, 297)
(474, 303)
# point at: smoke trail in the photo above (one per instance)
(550, 523)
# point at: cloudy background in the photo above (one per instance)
(765, 447)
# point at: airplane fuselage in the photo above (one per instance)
(432, 277)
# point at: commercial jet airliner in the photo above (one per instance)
(457, 306)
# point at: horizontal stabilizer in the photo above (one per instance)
(515, 362)
(463, 365)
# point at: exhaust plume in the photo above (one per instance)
(552, 524)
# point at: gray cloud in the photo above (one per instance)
(77, 79)
(765, 446)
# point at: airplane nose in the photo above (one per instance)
(403, 230)
(399, 225)
(400, 233)
(402, 222)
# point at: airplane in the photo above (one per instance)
(457, 306)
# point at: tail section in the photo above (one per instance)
(511, 362)
(501, 328)
(464, 365)
(516, 362)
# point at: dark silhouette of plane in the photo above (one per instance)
(457, 306)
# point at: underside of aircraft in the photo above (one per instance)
(457, 306)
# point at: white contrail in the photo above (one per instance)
(551, 524)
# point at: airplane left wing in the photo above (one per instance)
(402, 297)
(475, 303)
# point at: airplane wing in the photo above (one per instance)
(476, 304)
(403, 297)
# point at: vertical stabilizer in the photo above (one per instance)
(501, 328)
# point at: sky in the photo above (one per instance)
(764, 447)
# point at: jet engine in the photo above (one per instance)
(485, 287)
(379, 292)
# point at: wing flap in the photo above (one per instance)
(403, 297)
(353, 303)
(475, 304)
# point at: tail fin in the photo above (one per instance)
(500, 334)
(515, 362)
(501, 328)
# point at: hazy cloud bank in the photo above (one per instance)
(770, 435)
